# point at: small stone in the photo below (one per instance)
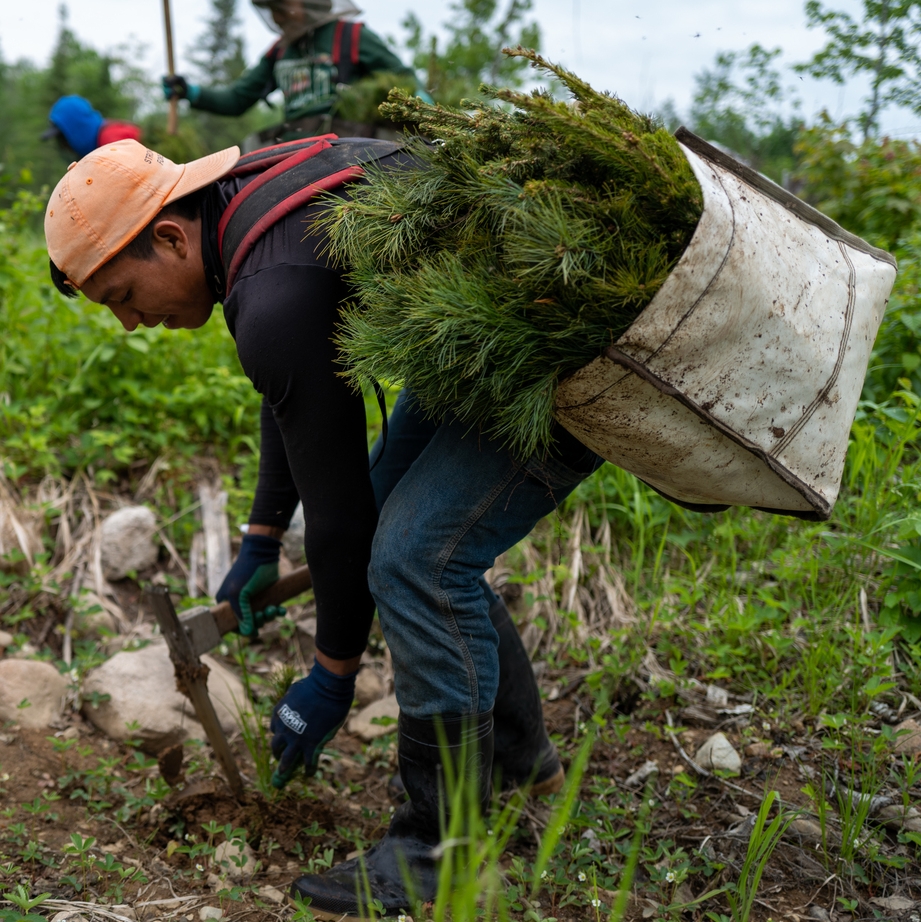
(369, 687)
(126, 541)
(810, 832)
(272, 894)
(210, 912)
(386, 709)
(897, 817)
(293, 539)
(908, 737)
(235, 858)
(124, 910)
(641, 774)
(6, 640)
(817, 912)
(31, 693)
(97, 623)
(717, 754)
(894, 903)
(758, 750)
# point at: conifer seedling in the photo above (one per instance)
(531, 235)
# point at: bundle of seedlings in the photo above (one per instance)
(532, 234)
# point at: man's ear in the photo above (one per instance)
(172, 236)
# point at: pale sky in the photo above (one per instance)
(646, 51)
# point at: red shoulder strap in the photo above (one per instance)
(337, 42)
(356, 41)
(289, 183)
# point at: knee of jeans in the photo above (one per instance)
(394, 562)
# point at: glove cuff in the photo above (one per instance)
(262, 543)
(192, 92)
(336, 686)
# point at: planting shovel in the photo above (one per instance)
(199, 630)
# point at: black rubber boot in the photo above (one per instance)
(523, 751)
(409, 846)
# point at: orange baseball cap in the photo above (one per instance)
(109, 196)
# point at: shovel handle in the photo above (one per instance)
(289, 586)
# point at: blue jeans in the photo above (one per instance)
(451, 501)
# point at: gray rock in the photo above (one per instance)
(641, 774)
(127, 541)
(717, 754)
(210, 912)
(272, 894)
(142, 692)
(235, 859)
(895, 903)
(97, 621)
(293, 540)
(35, 682)
(369, 687)
(362, 726)
(908, 738)
(6, 640)
(818, 913)
(895, 816)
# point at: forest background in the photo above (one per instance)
(819, 624)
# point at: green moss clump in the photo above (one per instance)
(530, 237)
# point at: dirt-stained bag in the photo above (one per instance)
(739, 382)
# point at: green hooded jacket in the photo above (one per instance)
(304, 72)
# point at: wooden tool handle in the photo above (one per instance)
(173, 120)
(289, 586)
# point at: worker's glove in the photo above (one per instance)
(307, 718)
(177, 87)
(254, 570)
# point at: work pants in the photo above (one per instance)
(451, 501)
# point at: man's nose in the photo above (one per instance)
(128, 318)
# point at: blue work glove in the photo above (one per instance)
(177, 87)
(254, 570)
(307, 718)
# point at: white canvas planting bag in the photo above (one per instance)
(739, 382)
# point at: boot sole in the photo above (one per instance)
(322, 915)
(552, 785)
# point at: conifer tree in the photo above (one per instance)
(477, 31)
(218, 58)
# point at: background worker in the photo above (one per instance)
(137, 233)
(320, 49)
(76, 124)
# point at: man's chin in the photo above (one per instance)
(188, 322)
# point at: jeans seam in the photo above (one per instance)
(444, 600)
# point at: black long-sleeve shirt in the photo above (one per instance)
(282, 313)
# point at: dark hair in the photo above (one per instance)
(142, 246)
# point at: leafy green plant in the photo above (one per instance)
(765, 837)
(25, 903)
